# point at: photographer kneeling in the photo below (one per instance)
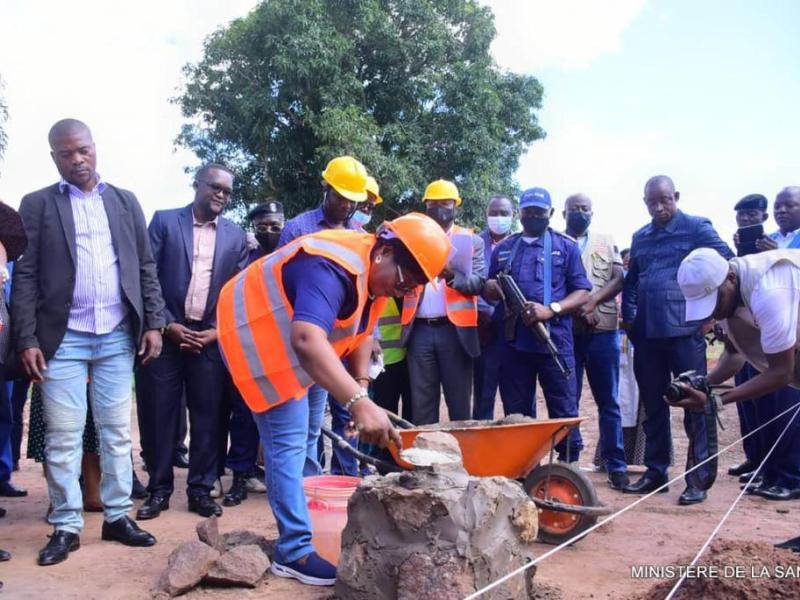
(757, 300)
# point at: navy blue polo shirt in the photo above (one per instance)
(320, 291)
(568, 275)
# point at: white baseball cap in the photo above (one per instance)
(700, 275)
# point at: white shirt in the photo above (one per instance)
(783, 241)
(774, 304)
(433, 304)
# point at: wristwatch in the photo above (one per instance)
(556, 308)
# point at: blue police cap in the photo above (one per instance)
(536, 196)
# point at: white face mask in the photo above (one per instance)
(360, 219)
(499, 225)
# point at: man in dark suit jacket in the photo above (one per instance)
(441, 349)
(196, 251)
(85, 293)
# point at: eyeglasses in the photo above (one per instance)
(218, 189)
(268, 228)
(401, 285)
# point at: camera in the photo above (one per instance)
(690, 379)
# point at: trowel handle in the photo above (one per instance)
(399, 421)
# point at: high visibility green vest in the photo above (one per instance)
(391, 331)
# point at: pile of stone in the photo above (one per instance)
(436, 533)
(238, 558)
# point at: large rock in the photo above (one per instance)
(208, 531)
(435, 534)
(186, 567)
(242, 565)
(245, 537)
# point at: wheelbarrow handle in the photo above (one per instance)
(342, 443)
(398, 420)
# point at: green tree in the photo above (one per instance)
(407, 86)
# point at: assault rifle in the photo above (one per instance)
(515, 301)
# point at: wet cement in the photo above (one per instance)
(436, 533)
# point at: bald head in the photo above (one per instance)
(66, 128)
(786, 209)
(581, 200)
(72, 150)
(661, 199)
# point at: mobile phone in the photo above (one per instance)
(747, 239)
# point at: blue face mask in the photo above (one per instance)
(360, 219)
(499, 225)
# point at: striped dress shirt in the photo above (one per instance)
(97, 304)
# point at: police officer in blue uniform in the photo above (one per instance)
(653, 314)
(534, 258)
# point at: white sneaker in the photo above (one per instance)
(254, 485)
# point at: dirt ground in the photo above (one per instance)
(658, 532)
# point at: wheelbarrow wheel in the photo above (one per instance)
(568, 486)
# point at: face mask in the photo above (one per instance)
(360, 219)
(535, 226)
(578, 222)
(499, 225)
(442, 215)
(268, 241)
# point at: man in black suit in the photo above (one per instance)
(85, 293)
(196, 251)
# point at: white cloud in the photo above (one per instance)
(114, 68)
(569, 34)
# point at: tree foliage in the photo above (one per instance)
(407, 86)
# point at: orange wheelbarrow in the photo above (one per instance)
(565, 497)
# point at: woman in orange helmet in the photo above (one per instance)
(286, 322)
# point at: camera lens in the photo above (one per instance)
(674, 393)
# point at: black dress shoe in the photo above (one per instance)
(2, 512)
(204, 506)
(238, 491)
(742, 468)
(776, 492)
(138, 491)
(691, 495)
(125, 531)
(9, 490)
(153, 507)
(792, 544)
(180, 461)
(4, 556)
(744, 478)
(618, 480)
(58, 548)
(645, 485)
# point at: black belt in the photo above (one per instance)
(194, 325)
(434, 322)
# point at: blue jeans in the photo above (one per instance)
(598, 354)
(342, 462)
(6, 426)
(108, 361)
(289, 435)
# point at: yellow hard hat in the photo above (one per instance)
(441, 189)
(372, 188)
(348, 177)
(425, 239)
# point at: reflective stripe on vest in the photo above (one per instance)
(462, 310)
(254, 318)
(391, 331)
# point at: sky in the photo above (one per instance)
(706, 91)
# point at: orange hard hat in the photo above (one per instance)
(425, 239)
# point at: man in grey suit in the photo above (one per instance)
(441, 321)
(86, 301)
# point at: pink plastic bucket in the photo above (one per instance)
(327, 497)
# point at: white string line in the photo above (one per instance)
(620, 512)
(730, 510)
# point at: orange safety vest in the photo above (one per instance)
(462, 310)
(254, 318)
